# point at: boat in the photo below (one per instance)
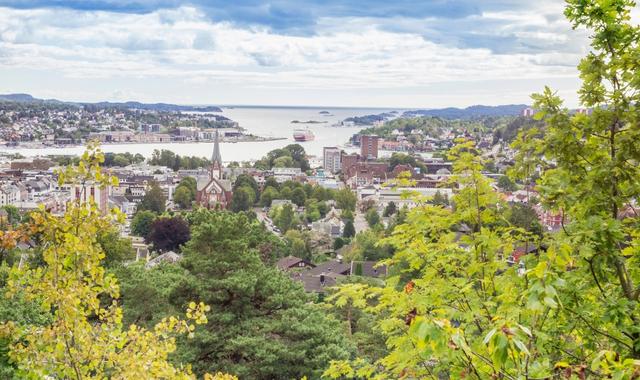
(303, 135)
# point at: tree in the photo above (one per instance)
(116, 249)
(594, 185)
(81, 338)
(524, 216)
(271, 182)
(506, 184)
(296, 151)
(141, 223)
(449, 297)
(261, 325)
(246, 180)
(243, 199)
(268, 195)
(298, 197)
(372, 217)
(153, 200)
(183, 197)
(298, 245)
(439, 199)
(284, 218)
(191, 184)
(349, 229)
(390, 209)
(168, 234)
(346, 199)
(312, 210)
(146, 293)
(13, 214)
(283, 162)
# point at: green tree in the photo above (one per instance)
(79, 337)
(390, 209)
(443, 300)
(594, 184)
(524, 216)
(285, 218)
(243, 199)
(268, 195)
(349, 229)
(440, 199)
(141, 223)
(346, 199)
(271, 182)
(506, 184)
(298, 196)
(116, 249)
(13, 214)
(283, 162)
(372, 217)
(191, 184)
(262, 325)
(183, 197)
(246, 180)
(153, 200)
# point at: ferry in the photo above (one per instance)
(303, 135)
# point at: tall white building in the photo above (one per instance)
(332, 159)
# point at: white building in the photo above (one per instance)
(332, 159)
(9, 194)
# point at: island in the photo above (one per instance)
(308, 122)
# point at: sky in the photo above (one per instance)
(374, 53)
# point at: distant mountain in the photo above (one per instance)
(18, 98)
(470, 112)
(26, 98)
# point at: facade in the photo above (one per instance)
(528, 112)
(90, 192)
(9, 194)
(213, 190)
(332, 159)
(369, 147)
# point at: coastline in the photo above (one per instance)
(40, 145)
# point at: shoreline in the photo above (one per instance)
(34, 145)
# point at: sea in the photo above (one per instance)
(258, 120)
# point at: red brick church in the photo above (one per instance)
(214, 191)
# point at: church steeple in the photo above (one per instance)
(216, 158)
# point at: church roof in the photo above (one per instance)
(216, 156)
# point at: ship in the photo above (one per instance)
(303, 135)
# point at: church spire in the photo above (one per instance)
(216, 158)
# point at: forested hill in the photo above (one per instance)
(470, 112)
(166, 107)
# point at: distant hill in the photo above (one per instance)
(470, 112)
(18, 98)
(26, 98)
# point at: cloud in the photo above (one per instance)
(184, 42)
(284, 46)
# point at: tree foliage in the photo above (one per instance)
(153, 200)
(168, 234)
(261, 325)
(83, 338)
(141, 223)
(453, 308)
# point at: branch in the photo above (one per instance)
(604, 333)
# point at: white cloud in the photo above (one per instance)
(183, 44)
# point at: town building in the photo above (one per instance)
(332, 159)
(369, 147)
(214, 191)
(528, 112)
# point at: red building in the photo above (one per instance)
(369, 147)
(214, 191)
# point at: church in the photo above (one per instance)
(214, 191)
